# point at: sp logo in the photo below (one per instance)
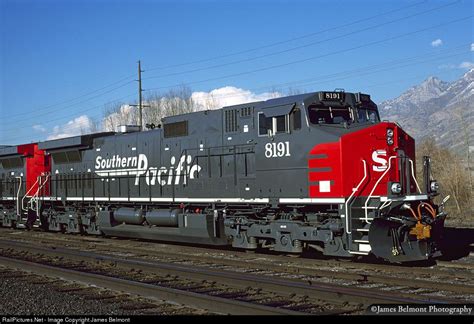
(379, 157)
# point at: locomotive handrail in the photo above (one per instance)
(375, 186)
(413, 176)
(35, 197)
(18, 196)
(354, 190)
(26, 194)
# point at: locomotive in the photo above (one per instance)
(316, 171)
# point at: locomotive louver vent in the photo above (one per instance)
(67, 157)
(11, 163)
(231, 120)
(245, 111)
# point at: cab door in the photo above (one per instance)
(281, 166)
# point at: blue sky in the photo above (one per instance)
(64, 59)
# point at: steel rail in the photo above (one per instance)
(326, 291)
(303, 261)
(190, 299)
(303, 265)
(299, 267)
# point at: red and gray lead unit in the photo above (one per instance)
(312, 171)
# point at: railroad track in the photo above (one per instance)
(309, 259)
(288, 288)
(211, 303)
(27, 293)
(451, 279)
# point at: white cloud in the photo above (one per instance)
(214, 99)
(125, 115)
(466, 65)
(228, 96)
(39, 128)
(472, 47)
(437, 42)
(447, 66)
(80, 125)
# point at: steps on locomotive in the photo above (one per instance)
(360, 223)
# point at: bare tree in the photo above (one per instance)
(94, 126)
(293, 91)
(448, 170)
(118, 114)
(211, 102)
(463, 121)
(173, 102)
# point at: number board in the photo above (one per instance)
(331, 96)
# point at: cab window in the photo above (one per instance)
(367, 115)
(295, 119)
(362, 115)
(273, 125)
(319, 114)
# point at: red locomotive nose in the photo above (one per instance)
(377, 151)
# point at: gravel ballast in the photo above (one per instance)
(27, 294)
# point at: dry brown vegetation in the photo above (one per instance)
(454, 178)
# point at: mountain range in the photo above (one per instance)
(437, 109)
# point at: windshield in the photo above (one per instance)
(367, 115)
(319, 114)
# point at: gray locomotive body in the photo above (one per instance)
(243, 175)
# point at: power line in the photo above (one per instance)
(30, 117)
(70, 116)
(303, 46)
(288, 40)
(316, 57)
(352, 73)
(370, 67)
(371, 85)
(75, 98)
(45, 108)
(249, 59)
(359, 71)
(330, 77)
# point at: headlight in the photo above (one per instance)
(434, 186)
(396, 188)
(389, 136)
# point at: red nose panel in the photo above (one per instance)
(336, 168)
(325, 171)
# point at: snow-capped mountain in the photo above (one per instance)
(438, 109)
(416, 96)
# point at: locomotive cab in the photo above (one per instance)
(360, 183)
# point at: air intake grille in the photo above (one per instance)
(231, 120)
(176, 129)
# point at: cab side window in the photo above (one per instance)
(279, 124)
(295, 119)
(264, 123)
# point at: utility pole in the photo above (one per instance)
(140, 100)
(140, 94)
